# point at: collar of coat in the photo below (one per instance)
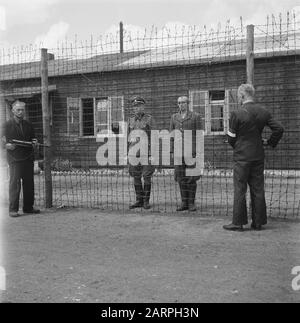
(188, 115)
(14, 121)
(139, 116)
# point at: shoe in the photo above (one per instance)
(136, 205)
(192, 208)
(32, 211)
(256, 227)
(13, 214)
(181, 208)
(147, 205)
(233, 227)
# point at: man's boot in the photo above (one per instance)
(147, 193)
(184, 198)
(192, 194)
(139, 196)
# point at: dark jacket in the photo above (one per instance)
(192, 121)
(245, 129)
(25, 132)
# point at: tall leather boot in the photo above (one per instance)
(138, 186)
(192, 194)
(147, 193)
(184, 198)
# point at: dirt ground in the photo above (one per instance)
(84, 255)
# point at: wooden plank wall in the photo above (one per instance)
(277, 81)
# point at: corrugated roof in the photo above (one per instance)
(234, 49)
(196, 53)
(57, 67)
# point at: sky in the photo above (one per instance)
(47, 22)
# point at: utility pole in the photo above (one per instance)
(121, 37)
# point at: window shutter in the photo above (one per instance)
(231, 104)
(73, 116)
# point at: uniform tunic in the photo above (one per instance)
(146, 123)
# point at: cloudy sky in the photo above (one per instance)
(24, 22)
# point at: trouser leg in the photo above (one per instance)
(136, 173)
(138, 186)
(192, 189)
(240, 179)
(257, 192)
(147, 189)
(147, 175)
(147, 193)
(184, 195)
(28, 186)
(180, 178)
(139, 191)
(14, 186)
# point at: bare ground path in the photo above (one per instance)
(83, 255)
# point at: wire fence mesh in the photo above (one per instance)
(90, 86)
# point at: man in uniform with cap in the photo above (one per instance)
(186, 120)
(20, 160)
(145, 122)
(245, 136)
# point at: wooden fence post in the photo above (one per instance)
(46, 128)
(121, 37)
(250, 54)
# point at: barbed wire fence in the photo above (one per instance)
(90, 84)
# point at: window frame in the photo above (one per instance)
(218, 103)
(208, 108)
(81, 117)
(110, 134)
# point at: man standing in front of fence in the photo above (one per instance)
(186, 120)
(20, 160)
(245, 136)
(141, 121)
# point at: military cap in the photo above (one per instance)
(137, 100)
(18, 103)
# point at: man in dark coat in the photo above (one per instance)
(186, 120)
(20, 160)
(141, 121)
(245, 136)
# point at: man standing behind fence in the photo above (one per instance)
(20, 160)
(141, 121)
(182, 121)
(244, 135)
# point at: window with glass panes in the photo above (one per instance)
(212, 107)
(102, 116)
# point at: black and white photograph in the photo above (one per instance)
(149, 154)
